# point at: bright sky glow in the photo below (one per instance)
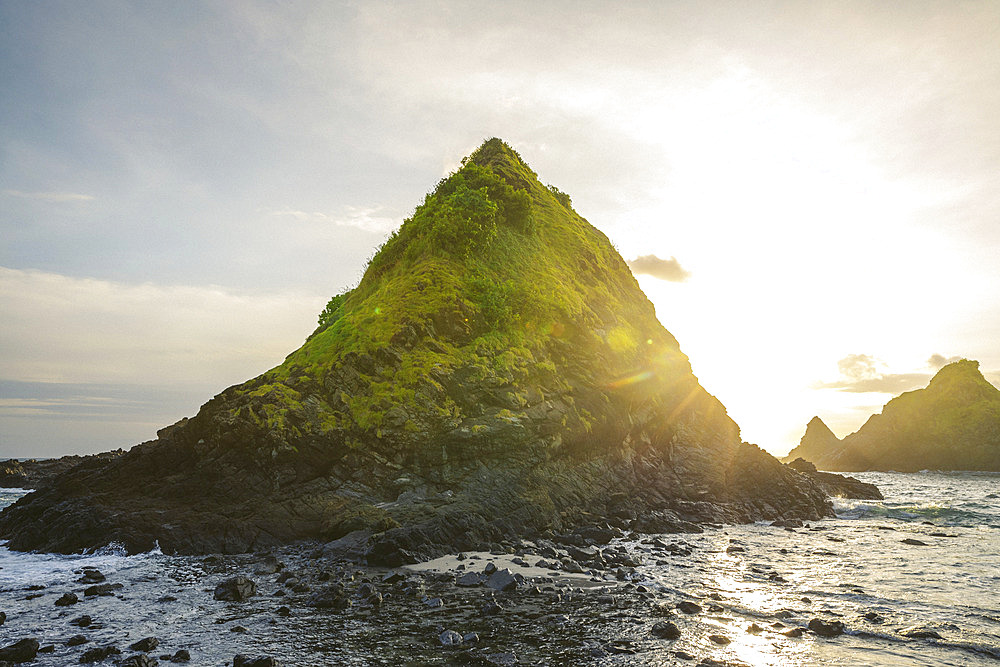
(182, 187)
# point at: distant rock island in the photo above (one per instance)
(952, 424)
(497, 373)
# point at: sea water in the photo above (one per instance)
(855, 568)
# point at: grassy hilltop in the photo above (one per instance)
(497, 372)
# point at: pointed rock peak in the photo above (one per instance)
(817, 427)
(963, 370)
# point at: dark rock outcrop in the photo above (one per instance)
(497, 373)
(838, 486)
(952, 424)
(28, 474)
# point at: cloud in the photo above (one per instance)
(863, 373)
(859, 367)
(61, 328)
(363, 218)
(48, 196)
(664, 269)
(936, 361)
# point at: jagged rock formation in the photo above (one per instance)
(28, 474)
(497, 372)
(952, 424)
(838, 486)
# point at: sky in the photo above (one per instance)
(806, 191)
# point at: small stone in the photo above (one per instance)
(181, 656)
(916, 632)
(236, 589)
(139, 660)
(450, 638)
(689, 607)
(470, 637)
(102, 589)
(67, 599)
(489, 569)
(665, 630)
(719, 639)
(823, 629)
(794, 632)
(76, 640)
(145, 645)
(99, 653)
(20, 651)
(82, 621)
(755, 629)
(502, 580)
(469, 580)
(916, 543)
(241, 660)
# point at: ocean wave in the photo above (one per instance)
(937, 512)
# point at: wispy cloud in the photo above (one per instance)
(369, 219)
(664, 269)
(863, 373)
(937, 361)
(48, 196)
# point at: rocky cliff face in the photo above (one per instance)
(952, 424)
(497, 372)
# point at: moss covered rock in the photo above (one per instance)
(497, 372)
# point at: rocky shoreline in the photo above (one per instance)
(579, 597)
(564, 600)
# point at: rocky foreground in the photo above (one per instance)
(576, 598)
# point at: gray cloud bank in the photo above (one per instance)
(664, 269)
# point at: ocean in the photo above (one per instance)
(934, 600)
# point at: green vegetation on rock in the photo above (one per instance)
(497, 371)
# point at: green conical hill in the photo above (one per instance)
(496, 372)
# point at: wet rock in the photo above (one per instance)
(240, 660)
(720, 639)
(873, 617)
(470, 637)
(450, 638)
(91, 576)
(913, 542)
(506, 659)
(67, 599)
(3, 617)
(82, 621)
(502, 580)
(824, 629)
(917, 632)
(794, 632)
(98, 653)
(331, 597)
(755, 629)
(469, 580)
(76, 640)
(787, 523)
(167, 598)
(20, 651)
(236, 589)
(139, 660)
(490, 568)
(145, 645)
(689, 607)
(270, 565)
(571, 566)
(665, 630)
(102, 590)
(735, 549)
(491, 608)
(181, 656)
(683, 655)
